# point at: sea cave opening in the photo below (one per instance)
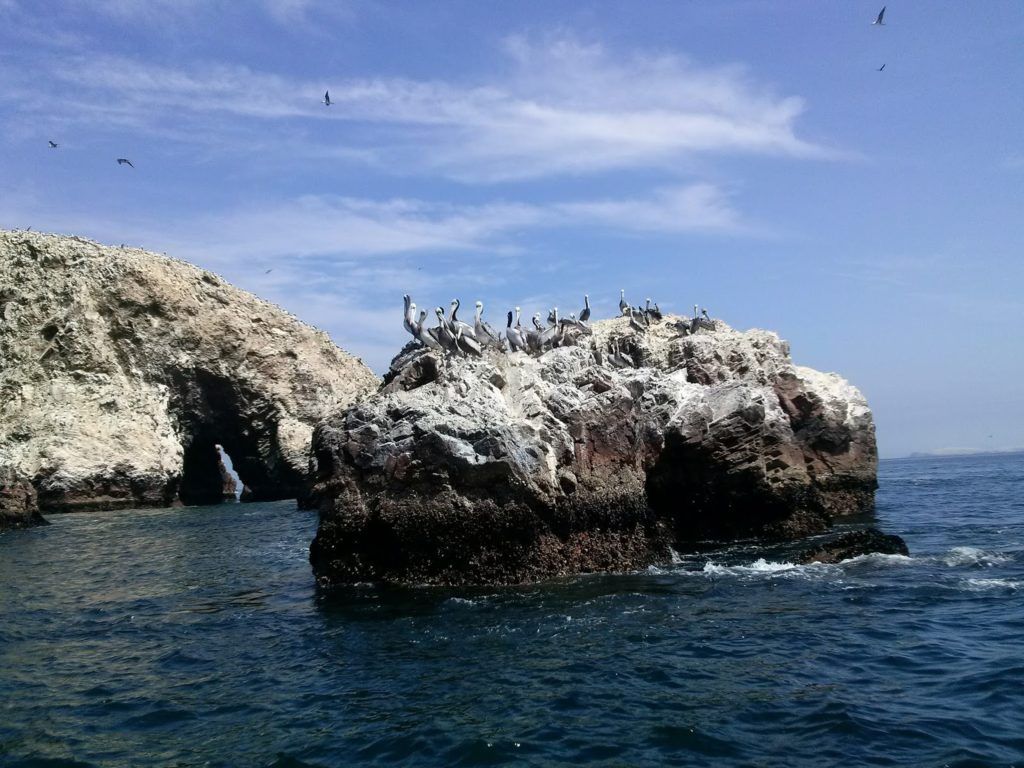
(213, 410)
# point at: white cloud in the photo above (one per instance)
(559, 107)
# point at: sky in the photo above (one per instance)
(746, 156)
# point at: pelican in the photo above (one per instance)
(454, 321)
(515, 338)
(613, 354)
(327, 98)
(878, 21)
(633, 322)
(654, 313)
(627, 359)
(534, 338)
(125, 161)
(54, 145)
(465, 343)
(421, 333)
(409, 316)
(445, 337)
(548, 337)
(623, 306)
(585, 312)
(484, 333)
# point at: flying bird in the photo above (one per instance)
(54, 145)
(269, 271)
(881, 15)
(327, 98)
(125, 161)
(881, 68)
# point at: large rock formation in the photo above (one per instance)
(121, 369)
(512, 468)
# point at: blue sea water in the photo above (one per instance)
(196, 637)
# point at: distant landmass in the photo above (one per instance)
(949, 453)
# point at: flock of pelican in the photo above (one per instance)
(459, 338)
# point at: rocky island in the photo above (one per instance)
(121, 369)
(508, 468)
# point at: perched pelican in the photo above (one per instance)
(585, 312)
(548, 337)
(465, 343)
(484, 333)
(456, 323)
(409, 316)
(54, 145)
(633, 322)
(327, 98)
(623, 306)
(881, 15)
(515, 338)
(534, 338)
(445, 337)
(705, 314)
(627, 359)
(653, 312)
(125, 161)
(421, 333)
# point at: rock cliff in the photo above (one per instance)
(512, 468)
(120, 369)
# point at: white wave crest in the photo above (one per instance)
(973, 556)
(879, 558)
(769, 569)
(979, 585)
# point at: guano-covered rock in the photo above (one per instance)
(120, 369)
(513, 468)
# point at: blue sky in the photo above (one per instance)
(746, 156)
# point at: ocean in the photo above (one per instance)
(197, 637)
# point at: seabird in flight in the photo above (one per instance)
(125, 161)
(54, 145)
(881, 68)
(327, 98)
(881, 15)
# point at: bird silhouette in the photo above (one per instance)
(881, 15)
(881, 68)
(54, 145)
(125, 161)
(327, 98)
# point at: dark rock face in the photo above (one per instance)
(854, 544)
(511, 469)
(18, 506)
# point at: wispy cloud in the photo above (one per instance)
(558, 107)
